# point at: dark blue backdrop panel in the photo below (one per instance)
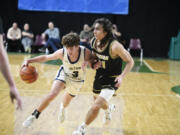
(82, 6)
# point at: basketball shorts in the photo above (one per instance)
(106, 93)
(72, 87)
(103, 82)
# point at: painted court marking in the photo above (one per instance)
(149, 66)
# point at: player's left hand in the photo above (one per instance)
(83, 66)
(118, 80)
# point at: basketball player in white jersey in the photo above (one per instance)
(70, 75)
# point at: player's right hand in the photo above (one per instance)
(14, 95)
(25, 64)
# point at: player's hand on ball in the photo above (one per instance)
(26, 63)
(97, 64)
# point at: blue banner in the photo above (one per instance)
(80, 6)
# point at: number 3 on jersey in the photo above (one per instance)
(75, 74)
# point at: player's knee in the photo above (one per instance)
(96, 108)
(105, 106)
(52, 95)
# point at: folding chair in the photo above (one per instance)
(135, 44)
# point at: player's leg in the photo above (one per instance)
(91, 115)
(94, 110)
(65, 102)
(56, 88)
(100, 102)
(104, 106)
(67, 99)
(72, 89)
(107, 94)
(108, 108)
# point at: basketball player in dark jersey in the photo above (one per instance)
(4, 68)
(110, 75)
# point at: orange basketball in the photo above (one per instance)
(29, 74)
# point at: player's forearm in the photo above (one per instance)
(128, 67)
(4, 67)
(42, 58)
(92, 60)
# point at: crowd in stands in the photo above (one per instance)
(23, 40)
(49, 41)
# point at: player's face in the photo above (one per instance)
(72, 51)
(99, 32)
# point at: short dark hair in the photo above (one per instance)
(71, 39)
(107, 27)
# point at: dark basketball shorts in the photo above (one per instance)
(103, 82)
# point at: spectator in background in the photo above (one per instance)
(4, 68)
(14, 38)
(52, 36)
(118, 35)
(85, 36)
(27, 38)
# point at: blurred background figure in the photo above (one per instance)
(85, 36)
(52, 37)
(118, 35)
(27, 38)
(14, 38)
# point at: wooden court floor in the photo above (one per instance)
(145, 104)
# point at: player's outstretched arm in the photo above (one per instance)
(43, 58)
(4, 68)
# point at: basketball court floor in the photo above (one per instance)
(145, 103)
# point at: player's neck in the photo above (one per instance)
(99, 46)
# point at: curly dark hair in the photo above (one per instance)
(107, 27)
(71, 39)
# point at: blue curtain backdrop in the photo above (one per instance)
(80, 6)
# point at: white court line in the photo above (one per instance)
(149, 66)
(91, 93)
(145, 95)
(177, 95)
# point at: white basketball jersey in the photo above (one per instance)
(73, 70)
